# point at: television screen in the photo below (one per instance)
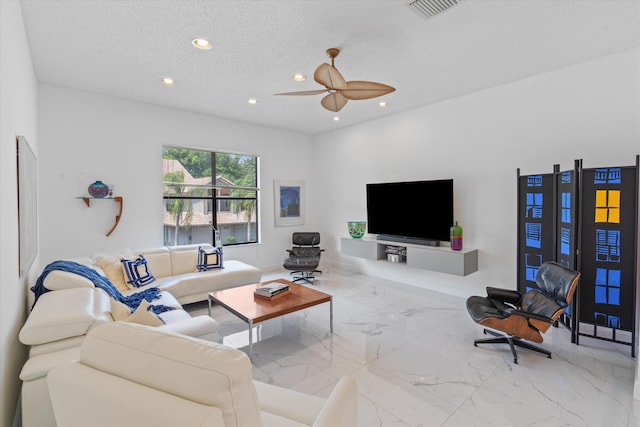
(416, 209)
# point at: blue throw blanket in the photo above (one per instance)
(99, 281)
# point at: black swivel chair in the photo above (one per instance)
(304, 256)
(525, 316)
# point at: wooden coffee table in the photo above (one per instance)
(241, 302)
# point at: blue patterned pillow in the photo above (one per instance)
(137, 272)
(208, 260)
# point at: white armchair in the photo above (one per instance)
(135, 375)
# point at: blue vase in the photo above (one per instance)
(98, 189)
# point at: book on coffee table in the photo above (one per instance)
(271, 289)
(272, 297)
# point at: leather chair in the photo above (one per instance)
(522, 317)
(304, 256)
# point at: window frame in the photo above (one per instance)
(213, 197)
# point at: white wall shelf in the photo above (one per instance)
(436, 258)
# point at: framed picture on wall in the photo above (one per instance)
(289, 203)
(27, 209)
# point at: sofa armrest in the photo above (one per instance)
(39, 366)
(202, 326)
(341, 408)
(58, 315)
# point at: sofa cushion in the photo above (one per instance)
(119, 310)
(58, 315)
(158, 260)
(235, 273)
(197, 370)
(136, 272)
(112, 267)
(184, 259)
(180, 322)
(143, 316)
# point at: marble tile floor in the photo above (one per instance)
(411, 351)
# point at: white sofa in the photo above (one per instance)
(73, 306)
(133, 375)
(173, 267)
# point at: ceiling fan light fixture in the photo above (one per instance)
(203, 44)
(338, 90)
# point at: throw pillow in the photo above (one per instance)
(112, 268)
(137, 272)
(209, 259)
(119, 311)
(143, 316)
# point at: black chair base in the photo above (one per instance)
(305, 276)
(513, 343)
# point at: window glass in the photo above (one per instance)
(190, 193)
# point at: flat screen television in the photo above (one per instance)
(415, 211)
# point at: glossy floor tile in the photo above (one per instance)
(411, 351)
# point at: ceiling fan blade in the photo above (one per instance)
(357, 90)
(304, 92)
(334, 101)
(329, 76)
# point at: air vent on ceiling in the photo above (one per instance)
(430, 8)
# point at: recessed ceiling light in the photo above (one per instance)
(253, 101)
(336, 119)
(382, 103)
(203, 44)
(299, 77)
(167, 81)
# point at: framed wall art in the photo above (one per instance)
(289, 203)
(27, 209)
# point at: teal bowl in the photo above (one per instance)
(356, 228)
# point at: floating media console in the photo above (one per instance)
(440, 258)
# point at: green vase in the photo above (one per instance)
(356, 228)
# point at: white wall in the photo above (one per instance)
(588, 111)
(17, 117)
(85, 137)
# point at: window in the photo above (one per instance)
(190, 194)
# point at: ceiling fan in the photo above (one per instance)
(340, 91)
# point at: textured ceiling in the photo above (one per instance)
(124, 47)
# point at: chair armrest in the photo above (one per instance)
(504, 295)
(529, 315)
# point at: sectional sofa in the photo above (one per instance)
(74, 296)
